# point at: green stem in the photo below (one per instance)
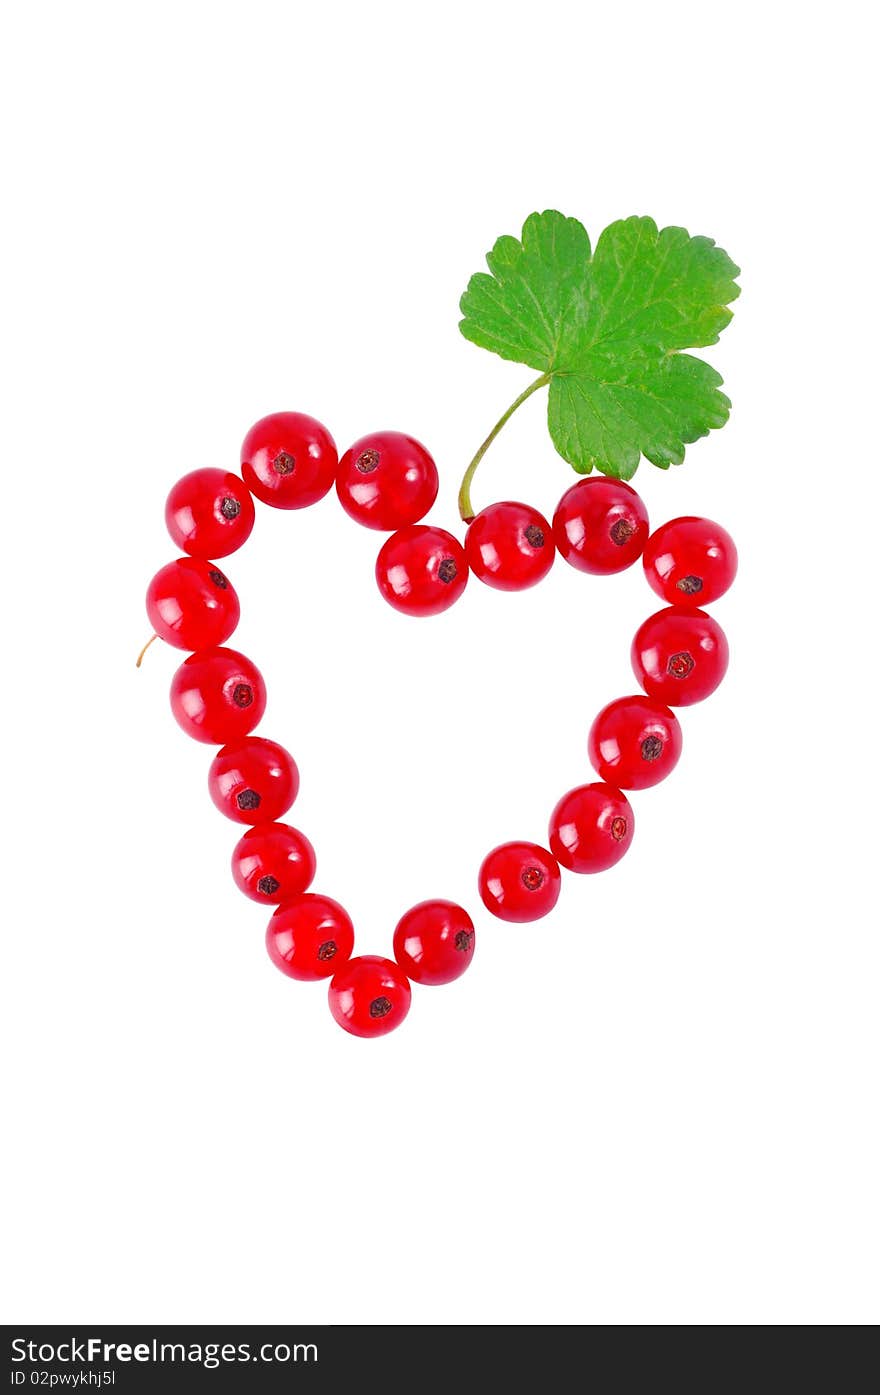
(464, 494)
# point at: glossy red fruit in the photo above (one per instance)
(253, 780)
(218, 695)
(680, 656)
(635, 742)
(421, 570)
(191, 604)
(369, 996)
(601, 525)
(387, 481)
(591, 828)
(519, 881)
(288, 460)
(310, 938)
(273, 863)
(690, 561)
(209, 513)
(510, 546)
(434, 942)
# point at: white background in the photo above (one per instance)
(659, 1105)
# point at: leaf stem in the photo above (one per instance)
(464, 494)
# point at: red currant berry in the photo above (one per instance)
(218, 695)
(591, 828)
(519, 882)
(421, 570)
(635, 742)
(510, 546)
(288, 460)
(386, 481)
(273, 863)
(369, 996)
(434, 942)
(601, 526)
(690, 561)
(191, 604)
(310, 938)
(253, 780)
(680, 656)
(209, 513)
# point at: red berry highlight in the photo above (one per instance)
(369, 996)
(519, 882)
(680, 656)
(253, 780)
(690, 561)
(601, 526)
(310, 938)
(386, 481)
(421, 570)
(209, 513)
(434, 942)
(635, 742)
(273, 863)
(288, 460)
(591, 828)
(510, 546)
(191, 604)
(217, 695)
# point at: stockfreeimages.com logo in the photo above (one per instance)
(94, 1351)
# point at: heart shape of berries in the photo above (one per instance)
(388, 481)
(605, 328)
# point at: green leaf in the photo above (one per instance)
(607, 328)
